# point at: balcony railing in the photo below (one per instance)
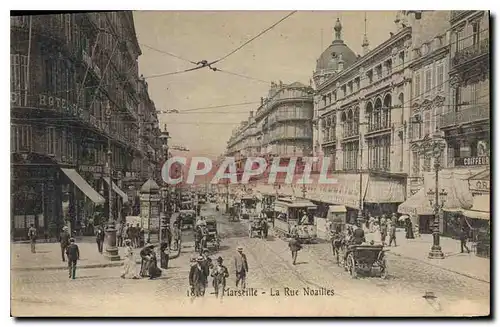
(378, 126)
(329, 138)
(350, 130)
(380, 165)
(469, 53)
(472, 114)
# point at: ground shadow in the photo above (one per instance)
(301, 263)
(43, 252)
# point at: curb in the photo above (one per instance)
(441, 267)
(98, 265)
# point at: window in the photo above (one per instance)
(440, 77)
(417, 86)
(475, 33)
(19, 78)
(428, 80)
(427, 122)
(437, 117)
(21, 138)
(416, 163)
(51, 141)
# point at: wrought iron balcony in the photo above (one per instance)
(378, 126)
(465, 116)
(472, 52)
(329, 138)
(350, 131)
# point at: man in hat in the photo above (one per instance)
(463, 240)
(241, 267)
(392, 234)
(295, 247)
(358, 236)
(73, 254)
(64, 241)
(219, 274)
(197, 278)
(99, 238)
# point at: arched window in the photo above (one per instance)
(386, 113)
(343, 119)
(369, 114)
(377, 114)
(401, 100)
(356, 121)
(350, 122)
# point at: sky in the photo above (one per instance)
(288, 52)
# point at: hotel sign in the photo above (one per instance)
(61, 105)
(479, 185)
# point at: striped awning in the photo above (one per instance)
(82, 184)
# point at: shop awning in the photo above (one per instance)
(480, 208)
(122, 194)
(82, 184)
(383, 190)
(458, 196)
(418, 204)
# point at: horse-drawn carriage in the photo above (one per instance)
(207, 235)
(187, 218)
(364, 258)
(258, 227)
(235, 211)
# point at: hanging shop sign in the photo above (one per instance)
(479, 185)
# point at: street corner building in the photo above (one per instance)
(80, 114)
(390, 119)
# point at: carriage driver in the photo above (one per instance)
(358, 236)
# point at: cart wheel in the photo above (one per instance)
(383, 269)
(352, 265)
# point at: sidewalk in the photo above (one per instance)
(465, 264)
(48, 257)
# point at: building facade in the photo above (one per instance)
(450, 100)
(75, 101)
(281, 126)
(360, 121)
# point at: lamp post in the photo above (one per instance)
(165, 191)
(432, 147)
(111, 249)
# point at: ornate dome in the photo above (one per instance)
(337, 51)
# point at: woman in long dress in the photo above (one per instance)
(129, 267)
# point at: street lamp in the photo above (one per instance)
(111, 249)
(432, 147)
(165, 190)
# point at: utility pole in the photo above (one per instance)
(227, 196)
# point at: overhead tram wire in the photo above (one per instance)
(361, 78)
(240, 75)
(205, 63)
(255, 37)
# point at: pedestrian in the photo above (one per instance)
(295, 247)
(392, 234)
(219, 275)
(394, 219)
(64, 241)
(73, 253)
(132, 236)
(164, 255)
(463, 241)
(383, 233)
(153, 270)
(139, 235)
(129, 266)
(32, 237)
(146, 257)
(241, 267)
(125, 233)
(119, 235)
(99, 238)
(197, 278)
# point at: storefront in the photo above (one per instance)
(87, 209)
(119, 199)
(82, 197)
(36, 195)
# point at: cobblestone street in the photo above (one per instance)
(101, 290)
